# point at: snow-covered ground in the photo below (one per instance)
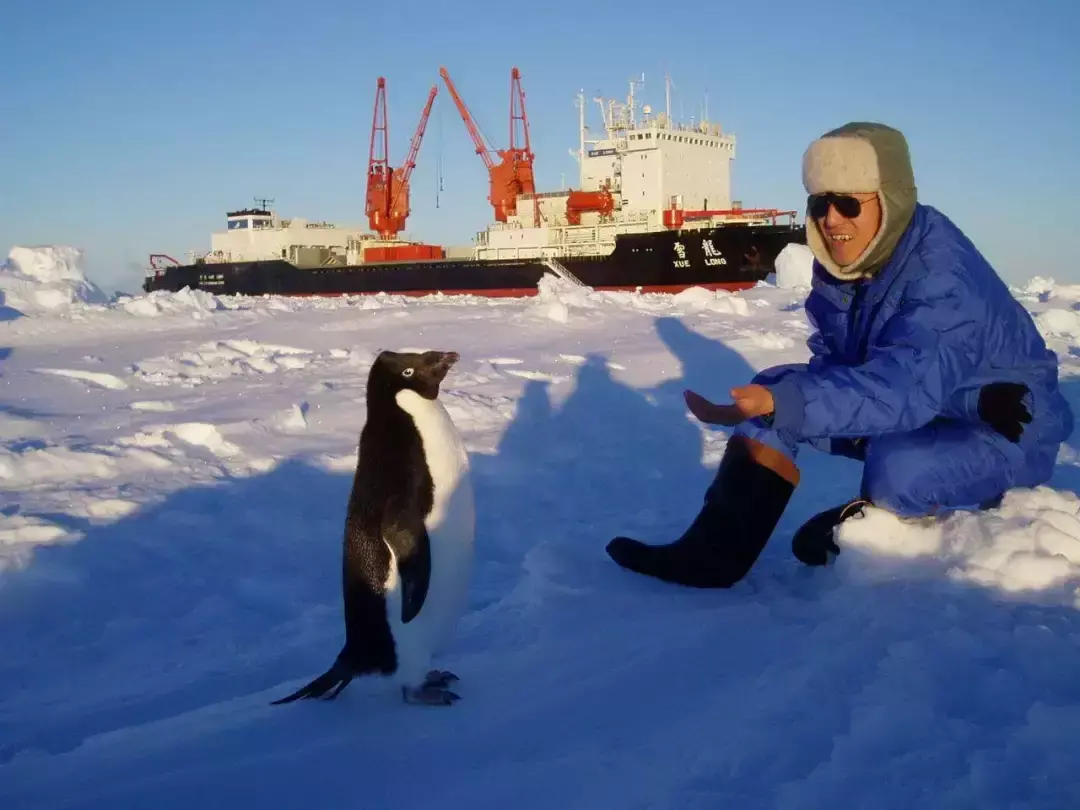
(174, 471)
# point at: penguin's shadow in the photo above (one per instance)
(245, 568)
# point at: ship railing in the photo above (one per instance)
(586, 250)
(505, 226)
(542, 195)
(587, 234)
(577, 234)
(209, 256)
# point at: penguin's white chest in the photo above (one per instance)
(451, 525)
(452, 511)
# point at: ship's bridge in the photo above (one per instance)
(254, 218)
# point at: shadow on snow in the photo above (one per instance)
(224, 591)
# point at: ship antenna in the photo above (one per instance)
(264, 203)
(667, 95)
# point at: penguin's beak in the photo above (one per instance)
(441, 367)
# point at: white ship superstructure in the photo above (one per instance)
(647, 173)
(259, 234)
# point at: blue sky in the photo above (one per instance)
(129, 127)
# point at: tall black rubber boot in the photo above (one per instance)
(742, 506)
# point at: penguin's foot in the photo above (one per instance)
(440, 678)
(428, 694)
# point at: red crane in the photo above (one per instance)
(387, 205)
(513, 174)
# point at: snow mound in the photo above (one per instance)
(555, 296)
(1048, 290)
(35, 466)
(1030, 545)
(1037, 287)
(794, 267)
(721, 301)
(187, 300)
(46, 278)
(1059, 322)
(218, 360)
(1066, 293)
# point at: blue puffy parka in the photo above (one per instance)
(917, 342)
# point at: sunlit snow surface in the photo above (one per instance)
(174, 470)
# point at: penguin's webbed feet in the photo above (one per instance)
(433, 691)
(428, 695)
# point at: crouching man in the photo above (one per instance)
(923, 366)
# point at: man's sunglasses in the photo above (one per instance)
(847, 206)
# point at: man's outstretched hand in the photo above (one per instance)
(749, 401)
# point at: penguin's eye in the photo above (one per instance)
(407, 372)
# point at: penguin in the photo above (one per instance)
(409, 535)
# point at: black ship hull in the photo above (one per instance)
(730, 257)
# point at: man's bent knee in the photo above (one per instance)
(936, 469)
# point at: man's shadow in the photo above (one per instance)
(569, 474)
(712, 369)
(613, 459)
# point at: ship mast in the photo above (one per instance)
(667, 97)
(581, 137)
(631, 118)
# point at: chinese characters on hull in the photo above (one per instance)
(680, 253)
(713, 257)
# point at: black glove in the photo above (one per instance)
(1001, 407)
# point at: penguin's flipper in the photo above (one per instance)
(412, 549)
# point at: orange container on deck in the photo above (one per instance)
(403, 253)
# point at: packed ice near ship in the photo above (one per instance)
(653, 211)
